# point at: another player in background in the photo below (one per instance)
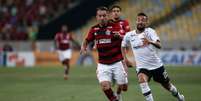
(116, 18)
(145, 43)
(63, 46)
(122, 23)
(109, 52)
(115, 12)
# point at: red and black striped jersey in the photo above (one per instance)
(63, 40)
(124, 26)
(108, 46)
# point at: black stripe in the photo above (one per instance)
(147, 93)
(110, 62)
(107, 49)
(113, 55)
(175, 94)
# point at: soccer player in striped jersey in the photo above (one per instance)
(145, 43)
(116, 18)
(109, 53)
(63, 39)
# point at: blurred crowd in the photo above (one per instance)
(20, 19)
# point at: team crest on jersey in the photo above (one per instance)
(95, 33)
(108, 32)
(104, 41)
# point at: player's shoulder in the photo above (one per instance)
(149, 29)
(123, 20)
(130, 33)
(95, 27)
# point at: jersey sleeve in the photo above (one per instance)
(90, 36)
(153, 35)
(56, 39)
(125, 41)
(126, 26)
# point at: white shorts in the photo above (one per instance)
(64, 54)
(114, 71)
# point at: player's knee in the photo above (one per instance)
(125, 87)
(66, 61)
(105, 86)
(142, 78)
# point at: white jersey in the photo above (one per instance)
(145, 56)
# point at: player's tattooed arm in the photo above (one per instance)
(126, 61)
(84, 47)
(157, 44)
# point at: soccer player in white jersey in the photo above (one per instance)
(144, 43)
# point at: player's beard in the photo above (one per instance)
(140, 27)
(103, 22)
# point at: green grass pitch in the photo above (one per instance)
(47, 84)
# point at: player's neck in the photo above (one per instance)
(64, 34)
(116, 19)
(139, 31)
(103, 24)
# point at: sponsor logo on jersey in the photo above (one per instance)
(104, 41)
(108, 32)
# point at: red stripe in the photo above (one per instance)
(113, 60)
(103, 36)
(110, 52)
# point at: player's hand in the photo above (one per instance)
(145, 41)
(94, 47)
(128, 63)
(116, 35)
(83, 50)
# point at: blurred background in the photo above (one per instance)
(28, 27)
(30, 69)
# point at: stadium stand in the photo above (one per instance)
(20, 19)
(181, 30)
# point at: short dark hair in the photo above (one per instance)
(115, 6)
(102, 8)
(142, 14)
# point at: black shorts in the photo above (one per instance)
(159, 75)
